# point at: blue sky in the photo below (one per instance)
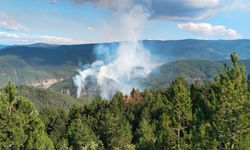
(88, 21)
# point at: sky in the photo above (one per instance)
(97, 21)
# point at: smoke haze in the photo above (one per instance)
(119, 64)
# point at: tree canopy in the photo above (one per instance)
(213, 115)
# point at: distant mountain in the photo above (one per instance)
(42, 53)
(31, 63)
(214, 50)
(3, 46)
(36, 63)
(42, 45)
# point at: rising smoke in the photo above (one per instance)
(121, 64)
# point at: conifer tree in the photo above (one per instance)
(80, 136)
(230, 121)
(20, 126)
(180, 113)
(146, 135)
(115, 131)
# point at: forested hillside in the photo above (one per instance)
(161, 77)
(42, 98)
(212, 115)
(26, 64)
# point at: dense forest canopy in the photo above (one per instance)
(213, 115)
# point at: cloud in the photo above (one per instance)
(6, 37)
(7, 23)
(209, 30)
(89, 28)
(183, 10)
(162, 9)
(55, 39)
(242, 5)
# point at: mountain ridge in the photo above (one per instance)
(26, 64)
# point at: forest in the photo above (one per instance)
(199, 116)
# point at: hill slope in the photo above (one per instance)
(36, 63)
(42, 98)
(191, 70)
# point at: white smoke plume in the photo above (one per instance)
(122, 63)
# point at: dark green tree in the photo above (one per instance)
(115, 131)
(80, 136)
(248, 82)
(180, 113)
(56, 121)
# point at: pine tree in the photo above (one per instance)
(230, 121)
(203, 106)
(80, 136)
(21, 128)
(180, 113)
(248, 82)
(146, 135)
(56, 121)
(166, 135)
(115, 131)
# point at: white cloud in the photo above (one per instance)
(90, 28)
(242, 5)
(55, 39)
(6, 37)
(7, 23)
(209, 30)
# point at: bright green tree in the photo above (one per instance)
(230, 120)
(20, 126)
(146, 135)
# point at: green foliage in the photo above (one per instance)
(180, 113)
(213, 115)
(80, 136)
(42, 98)
(230, 120)
(21, 128)
(19, 71)
(147, 137)
(56, 121)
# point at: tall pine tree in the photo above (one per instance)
(230, 118)
(180, 113)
